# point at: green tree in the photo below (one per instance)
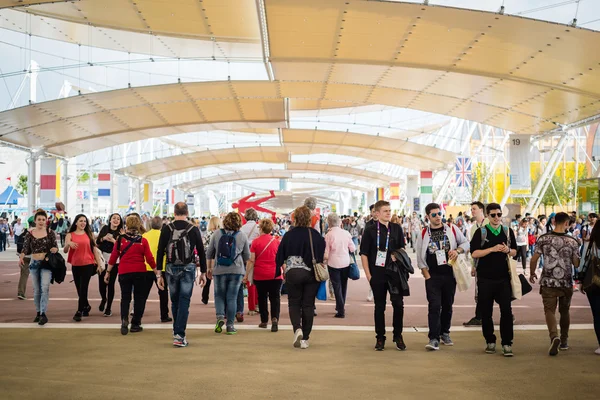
(482, 175)
(21, 185)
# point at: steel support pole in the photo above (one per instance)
(31, 184)
(542, 185)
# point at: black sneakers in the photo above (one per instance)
(473, 322)
(380, 345)
(43, 319)
(86, 311)
(124, 327)
(37, 318)
(399, 341)
(135, 328)
(77, 317)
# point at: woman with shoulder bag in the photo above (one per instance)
(108, 236)
(590, 273)
(80, 246)
(39, 241)
(262, 270)
(133, 252)
(339, 245)
(295, 255)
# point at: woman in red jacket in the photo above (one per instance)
(132, 251)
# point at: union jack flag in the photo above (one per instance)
(464, 172)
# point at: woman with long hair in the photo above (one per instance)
(213, 225)
(80, 247)
(39, 241)
(228, 270)
(593, 295)
(262, 267)
(108, 236)
(133, 252)
(295, 257)
(338, 246)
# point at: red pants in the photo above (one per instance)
(252, 297)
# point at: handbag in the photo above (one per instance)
(591, 278)
(321, 272)
(354, 272)
(461, 267)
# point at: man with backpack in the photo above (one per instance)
(491, 246)
(436, 246)
(203, 226)
(561, 254)
(177, 243)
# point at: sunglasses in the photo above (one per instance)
(498, 215)
(433, 215)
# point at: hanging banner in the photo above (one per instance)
(519, 158)
(47, 181)
(412, 186)
(426, 188)
(464, 172)
(147, 197)
(379, 194)
(395, 191)
(104, 184)
(123, 192)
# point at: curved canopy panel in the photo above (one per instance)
(519, 74)
(265, 174)
(129, 41)
(221, 20)
(371, 147)
(79, 124)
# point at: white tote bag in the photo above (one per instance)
(462, 273)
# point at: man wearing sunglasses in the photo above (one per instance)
(490, 246)
(436, 246)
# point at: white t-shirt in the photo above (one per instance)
(251, 230)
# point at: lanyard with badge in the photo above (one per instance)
(438, 248)
(382, 255)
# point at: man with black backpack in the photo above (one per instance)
(178, 241)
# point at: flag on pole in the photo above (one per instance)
(395, 191)
(379, 194)
(464, 172)
(47, 181)
(104, 185)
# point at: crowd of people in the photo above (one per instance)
(246, 256)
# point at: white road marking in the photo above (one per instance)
(169, 327)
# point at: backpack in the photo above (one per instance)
(226, 248)
(484, 239)
(425, 230)
(179, 249)
(203, 226)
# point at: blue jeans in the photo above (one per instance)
(355, 241)
(240, 300)
(41, 285)
(227, 287)
(180, 279)
(2, 241)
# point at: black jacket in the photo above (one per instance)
(397, 273)
(55, 262)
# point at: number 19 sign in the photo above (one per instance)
(519, 159)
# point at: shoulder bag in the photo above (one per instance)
(321, 272)
(251, 274)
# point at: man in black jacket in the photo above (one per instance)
(379, 241)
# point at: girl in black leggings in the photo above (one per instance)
(106, 240)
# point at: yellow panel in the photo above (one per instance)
(252, 89)
(392, 97)
(167, 93)
(460, 85)
(112, 99)
(179, 113)
(357, 73)
(97, 124)
(210, 90)
(432, 103)
(21, 3)
(219, 110)
(410, 78)
(507, 94)
(474, 111)
(347, 93)
(301, 71)
(272, 110)
(302, 90)
(67, 109)
(139, 117)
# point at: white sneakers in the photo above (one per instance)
(298, 338)
(304, 344)
(597, 351)
(370, 296)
